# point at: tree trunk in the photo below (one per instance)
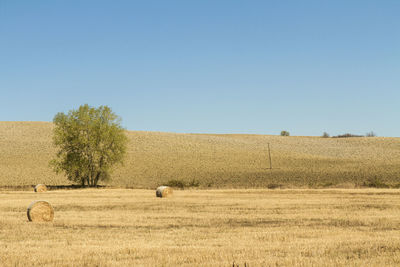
(96, 179)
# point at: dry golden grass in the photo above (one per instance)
(121, 227)
(218, 161)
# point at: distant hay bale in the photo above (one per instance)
(40, 211)
(41, 188)
(164, 191)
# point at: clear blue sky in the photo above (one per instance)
(217, 66)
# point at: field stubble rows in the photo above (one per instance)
(213, 161)
(107, 227)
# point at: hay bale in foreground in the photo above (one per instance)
(164, 191)
(40, 211)
(40, 188)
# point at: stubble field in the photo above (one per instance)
(212, 161)
(222, 224)
(121, 227)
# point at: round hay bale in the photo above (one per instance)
(40, 211)
(41, 188)
(164, 191)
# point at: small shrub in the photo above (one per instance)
(375, 182)
(285, 133)
(328, 184)
(176, 183)
(346, 135)
(273, 186)
(325, 135)
(181, 184)
(193, 183)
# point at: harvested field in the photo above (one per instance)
(212, 161)
(105, 227)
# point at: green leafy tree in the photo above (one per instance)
(285, 133)
(90, 142)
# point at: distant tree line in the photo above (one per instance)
(347, 135)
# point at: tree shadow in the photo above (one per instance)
(49, 187)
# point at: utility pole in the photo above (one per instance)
(270, 160)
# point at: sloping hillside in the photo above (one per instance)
(211, 160)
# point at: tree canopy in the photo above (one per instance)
(90, 142)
